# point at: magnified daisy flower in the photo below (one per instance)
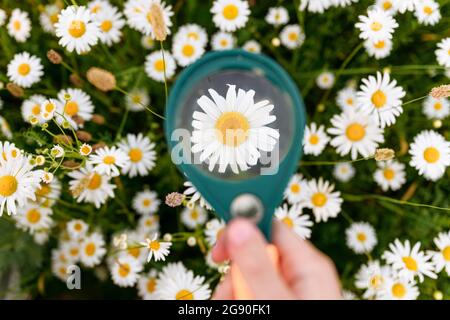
(390, 175)
(108, 160)
(148, 224)
(92, 249)
(76, 107)
(48, 17)
(192, 192)
(318, 6)
(405, 5)
(2, 17)
(344, 172)
(222, 41)
(325, 80)
(98, 6)
(158, 250)
(296, 190)
(137, 100)
(147, 285)
(89, 186)
(294, 219)
(214, 230)
(346, 99)
(48, 193)
(356, 133)
(111, 22)
(409, 261)
(322, 200)
(192, 31)
(31, 107)
(187, 51)
(443, 53)
(25, 69)
(141, 152)
(379, 49)
(277, 16)
(441, 258)
(361, 237)
(427, 12)
(232, 130)
(76, 29)
(315, 139)
(230, 15)
(125, 271)
(430, 154)
(155, 64)
(397, 288)
(387, 6)
(252, 46)
(192, 218)
(19, 25)
(292, 36)
(146, 202)
(33, 217)
(377, 25)
(372, 277)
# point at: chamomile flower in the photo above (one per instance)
(147, 285)
(325, 80)
(141, 152)
(25, 69)
(85, 149)
(315, 139)
(192, 192)
(294, 219)
(318, 6)
(214, 230)
(296, 190)
(292, 36)
(355, 133)
(405, 5)
(19, 25)
(222, 41)
(77, 29)
(60, 270)
(108, 160)
(387, 6)
(57, 151)
(98, 6)
(427, 12)
(48, 109)
(322, 200)
(31, 108)
(91, 187)
(277, 16)
(146, 202)
(125, 271)
(18, 183)
(192, 218)
(390, 175)
(34, 217)
(443, 53)
(47, 177)
(92, 249)
(397, 288)
(361, 237)
(158, 250)
(148, 224)
(192, 31)
(187, 51)
(75, 105)
(377, 25)
(233, 130)
(430, 154)
(372, 278)
(381, 98)
(9, 152)
(111, 22)
(48, 17)
(342, 3)
(2, 17)
(346, 99)
(409, 261)
(157, 67)
(76, 228)
(441, 258)
(252, 46)
(48, 193)
(147, 42)
(378, 49)
(230, 15)
(137, 100)
(344, 172)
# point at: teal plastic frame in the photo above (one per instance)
(268, 188)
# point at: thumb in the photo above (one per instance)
(246, 247)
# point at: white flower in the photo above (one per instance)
(108, 160)
(292, 36)
(85, 149)
(192, 32)
(405, 5)
(390, 175)
(195, 196)
(71, 250)
(125, 271)
(137, 100)
(92, 249)
(355, 133)
(148, 224)
(25, 69)
(387, 6)
(187, 51)
(48, 17)
(141, 152)
(76, 228)
(325, 80)
(2, 17)
(159, 65)
(147, 285)
(230, 15)
(294, 219)
(346, 99)
(409, 262)
(146, 202)
(342, 3)
(430, 154)
(158, 250)
(232, 130)
(441, 258)
(110, 22)
(76, 29)
(47, 177)
(361, 237)
(222, 41)
(377, 25)
(192, 218)
(443, 52)
(277, 16)
(98, 6)
(147, 42)
(214, 230)
(318, 6)
(57, 151)
(344, 172)
(372, 277)
(34, 217)
(48, 193)
(379, 49)
(397, 288)
(427, 12)
(296, 190)
(48, 109)
(322, 200)
(19, 25)
(315, 139)
(31, 107)
(75, 103)
(252, 46)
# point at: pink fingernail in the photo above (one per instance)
(239, 232)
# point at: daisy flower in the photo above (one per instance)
(387, 6)
(148, 224)
(344, 172)
(77, 29)
(222, 41)
(147, 285)
(355, 133)
(98, 6)
(57, 151)
(147, 42)
(76, 228)
(378, 49)
(441, 258)
(377, 25)
(430, 154)
(382, 98)
(85, 149)
(187, 51)
(325, 80)
(296, 190)
(292, 36)
(34, 217)
(111, 22)
(436, 108)
(108, 160)
(294, 219)
(9, 151)
(346, 99)
(230, 15)
(252, 46)
(361, 237)
(92, 249)
(25, 69)
(277, 16)
(89, 186)
(2, 17)
(48, 109)
(125, 271)
(372, 278)
(233, 130)
(443, 53)
(31, 108)
(322, 200)
(76, 104)
(192, 32)
(59, 270)
(409, 261)
(48, 193)
(137, 100)
(192, 192)
(41, 236)
(405, 5)
(214, 230)
(390, 175)
(48, 17)
(315, 139)
(427, 12)
(141, 152)
(397, 288)
(342, 3)
(158, 250)
(155, 66)
(192, 218)
(146, 202)
(318, 6)
(19, 25)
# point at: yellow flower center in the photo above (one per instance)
(224, 42)
(350, 101)
(154, 245)
(95, 182)
(109, 160)
(193, 35)
(188, 50)
(71, 108)
(380, 44)
(428, 10)
(314, 139)
(387, 5)
(230, 12)
(438, 106)
(36, 110)
(124, 269)
(135, 154)
(431, 155)
(410, 263)
(319, 199)
(355, 132)
(24, 69)
(398, 290)
(17, 25)
(293, 36)
(74, 252)
(232, 128)
(376, 26)
(90, 249)
(106, 25)
(194, 214)
(151, 285)
(446, 253)
(388, 174)
(137, 98)
(288, 221)
(379, 99)
(77, 28)
(33, 216)
(85, 149)
(135, 252)
(159, 65)
(96, 8)
(295, 188)
(77, 226)
(146, 202)
(54, 18)
(184, 295)
(361, 237)
(376, 281)
(8, 186)
(43, 190)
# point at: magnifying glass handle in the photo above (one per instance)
(240, 288)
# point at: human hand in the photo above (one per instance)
(304, 272)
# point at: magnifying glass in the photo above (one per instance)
(234, 126)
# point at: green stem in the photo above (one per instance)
(331, 163)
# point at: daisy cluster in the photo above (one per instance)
(86, 178)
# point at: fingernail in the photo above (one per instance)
(239, 232)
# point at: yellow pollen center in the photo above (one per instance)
(17, 25)
(146, 202)
(85, 149)
(77, 226)
(355, 132)
(446, 253)
(184, 295)
(54, 18)
(43, 190)
(398, 290)
(224, 42)
(438, 106)
(154, 245)
(350, 101)
(295, 188)
(135, 252)
(376, 281)
(232, 128)
(106, 25)
(135, 154)
(428, 10)
(36, 110)
(288, 221)
(24, 69)
(319, 199)
(33, 216)
(230, 12)
(71, 108)
(194, 214)
(95, 182)
(314, 139)
(124, 269)
(410, 263)
(77, 28)
(136, 99)
(109, 160)
(376, 26)
(193, 35)
(361, 237)
(379, 99)
(293, 36)
(74, 251)
(159, 65)
(431, 155)
(188, 50)
(90, 249)
(380, 44)
(387, 5)
(388, 174)
(151, 285)
(8, 186)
